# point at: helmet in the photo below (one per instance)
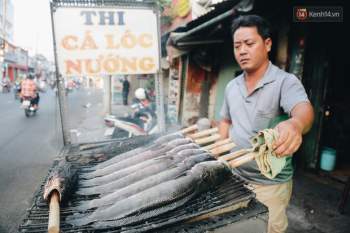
(203, 123)
(140, 93)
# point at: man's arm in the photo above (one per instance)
(291, 130)
(224, 127)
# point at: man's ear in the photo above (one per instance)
(268, 44)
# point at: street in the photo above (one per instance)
(28, 146)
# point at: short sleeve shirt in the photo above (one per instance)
(28, 88)
(277, 93)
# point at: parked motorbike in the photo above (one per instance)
(29, 109)
(142, 122)
(6, 87)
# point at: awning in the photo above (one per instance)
(17, 66)
(205, 29)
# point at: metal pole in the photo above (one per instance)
(107, 94)
(110, 94)
(60, 87)
(159, 87)
(3, 42)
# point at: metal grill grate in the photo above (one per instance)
(231, 199)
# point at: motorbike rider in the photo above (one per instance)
(29, 91)
(143, 107)
(143, 100)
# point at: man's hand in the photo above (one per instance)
(291, 131)
(290, 137)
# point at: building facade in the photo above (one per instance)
(201, 52)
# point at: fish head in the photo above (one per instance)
(181, 148)
(192, 160)
(169, 137)
(179, 142)
(211, 171)
(189, 152)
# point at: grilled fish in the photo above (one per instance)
(155, 144)
(146, 183)
(159, 164)
(137, 167)
(159, 199)
(149, 154)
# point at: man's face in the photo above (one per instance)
(250, 49)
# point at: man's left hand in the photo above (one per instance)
(289, 139)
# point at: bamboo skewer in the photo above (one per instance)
(189, 129)
(203, 133)
(54, 213)
(234, 159)
(221, 149)
(242, 160)
(206, 140)
(234, 155)
(217, 144)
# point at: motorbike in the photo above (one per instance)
(27, 105)
(141, 122)
(6, 87)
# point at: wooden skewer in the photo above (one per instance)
(206, 140)
(54, 214)
(221, 149)
(203, 133)
(189, 129)
(244, 159)
(234, 155)
(218, 143)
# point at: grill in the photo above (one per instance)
(228, 203)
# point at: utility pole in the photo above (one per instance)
(107, 94)
(159, 82)
(61, 89)
(3, 39)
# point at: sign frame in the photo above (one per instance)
(147, 5)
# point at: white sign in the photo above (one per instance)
(98, 41)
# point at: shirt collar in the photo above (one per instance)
(268, 77)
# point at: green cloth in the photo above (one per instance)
(287, 172)
(269, 164)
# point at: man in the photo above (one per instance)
(6, 84)
(125, 90)
(252, 101)
(29, 90)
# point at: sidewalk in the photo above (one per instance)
(92, 126)
(313, 208)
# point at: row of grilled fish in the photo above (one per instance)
(146, 182)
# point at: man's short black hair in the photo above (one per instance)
(261, 24)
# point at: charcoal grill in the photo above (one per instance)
(228, 206)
